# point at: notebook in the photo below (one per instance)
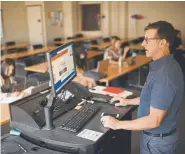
(111, 91)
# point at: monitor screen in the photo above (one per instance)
(61, 66)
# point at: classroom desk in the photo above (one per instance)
(2, 58)
(22, 45)
(43, 67)
(75, 40)
(26, 53)
(136, 47)
(5, 114)
(92, 53)
(114, 71)
(139, 47)
(104, 45)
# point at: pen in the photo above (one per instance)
(82, 102)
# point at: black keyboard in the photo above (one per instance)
(59, 109)
(80, 118)
(101, 98)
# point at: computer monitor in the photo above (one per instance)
(62, 68)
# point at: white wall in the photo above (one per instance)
(15, 27)
(173, 12)
(53, 31)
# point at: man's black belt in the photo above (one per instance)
(160, 135)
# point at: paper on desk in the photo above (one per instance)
(29, 90)
(100, 90)
(125, 94)
(9, 99)
(90, 134)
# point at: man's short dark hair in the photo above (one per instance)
(165, 30)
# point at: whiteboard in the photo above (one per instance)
(1, 26)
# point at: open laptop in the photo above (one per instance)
(100, 72)
(102, 66)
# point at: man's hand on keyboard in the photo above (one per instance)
(121, 101)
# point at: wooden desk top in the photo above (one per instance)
(22, 45)
(43, 67)
(5, 114)
(102, 45)
(107, 44)
(26, 53)
(139, 47)
(92, 54)
(136, 47)
(85, 38)
(40, 68)
(114, 71)
(2, 58)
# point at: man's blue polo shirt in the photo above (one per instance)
(163, 90)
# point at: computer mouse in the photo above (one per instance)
(114, 102)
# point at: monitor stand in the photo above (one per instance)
(48, 110)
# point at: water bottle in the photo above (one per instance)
(120, 61)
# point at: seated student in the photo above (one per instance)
(80, 56)
(114, 52)
(7, 73)
(6, 78)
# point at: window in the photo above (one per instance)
(90, 19)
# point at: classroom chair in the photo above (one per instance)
(57, 39)
(39, 58)
(72, 37)
(22, 76)
(107, 39)
(99, 40)
(11, 43)
(79, 35)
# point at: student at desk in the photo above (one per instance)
(114, 52)
(160, 99)
(6, 78)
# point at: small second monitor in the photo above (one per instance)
(62, 68)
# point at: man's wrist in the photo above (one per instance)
(118, 125)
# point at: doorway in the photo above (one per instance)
(35, 24)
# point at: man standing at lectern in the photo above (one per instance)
(160, 98)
